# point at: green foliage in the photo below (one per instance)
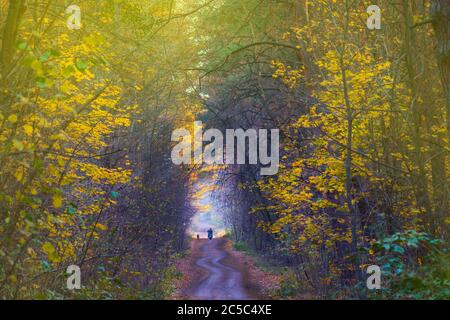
(240, 246)
(289, 287)
(414, 266)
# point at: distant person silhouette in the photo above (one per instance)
(198, 236)
(210, 233)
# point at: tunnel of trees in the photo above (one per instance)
(86, 116)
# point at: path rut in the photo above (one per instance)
(223, 281)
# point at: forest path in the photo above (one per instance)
(220, 275)
(223, 281)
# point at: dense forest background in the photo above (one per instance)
(86, 117)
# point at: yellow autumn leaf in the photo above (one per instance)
(57, 200)
(18, 174)
(28, 129)
(67, 87)
(18, 144)
(101, 226)
(48, 248)
(31, 252)
(12, 118)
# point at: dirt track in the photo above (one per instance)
(220, 279)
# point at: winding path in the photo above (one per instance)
(223, 281)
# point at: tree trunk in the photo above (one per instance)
(15, 12)
(416, 109)
(440, 14)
